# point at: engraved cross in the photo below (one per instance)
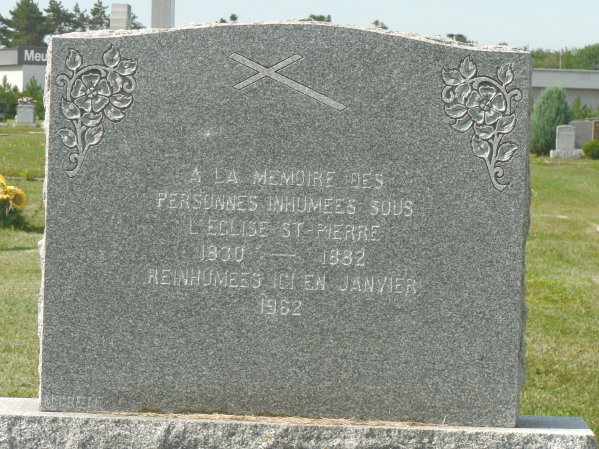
(272, 72)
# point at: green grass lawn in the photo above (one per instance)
(22, 152)
(562, 257)
(562, 289)
(19, 288)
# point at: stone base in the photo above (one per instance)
(22, 426)
(566, 154)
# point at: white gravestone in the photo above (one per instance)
(565, 136)
(26, 115)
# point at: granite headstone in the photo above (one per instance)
(583, 132)
(286, 219)
(25, 115)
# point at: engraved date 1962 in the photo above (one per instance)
(282, 307)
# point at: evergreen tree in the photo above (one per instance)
(99, 19)
(587, 57)
(550, 111)
(581, 111)
(135, 23)
(59, 20)
(81, 19)
(26, 25)
(10, 95)
(233, 18)
(377, 23)
(320, 18)
(458, 37)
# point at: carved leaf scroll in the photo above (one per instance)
(484, 105)
(92, 93)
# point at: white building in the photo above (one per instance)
(576, 83)
(20, 64)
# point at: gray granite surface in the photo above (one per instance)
(583, 132)
(23, 427)
(292, 219)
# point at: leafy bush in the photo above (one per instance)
(12, 200)
(550, 111)
(591, 149)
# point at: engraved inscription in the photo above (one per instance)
(72, 402)
(273, 73)
(89, 403)
(483, 104)
(283, 307)
(93, 92)
(279, 233)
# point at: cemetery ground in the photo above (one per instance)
(562, 279)
(22, 152)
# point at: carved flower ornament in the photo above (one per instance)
(484, 105)
(94, 92)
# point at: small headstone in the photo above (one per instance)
(25, 115)
(565, 136)
(583, 132)
(120, 16)
(163, 13)
(313, 229)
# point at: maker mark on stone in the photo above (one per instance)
(273, 73)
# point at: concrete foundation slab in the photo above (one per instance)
(566, 154)
(23, 426)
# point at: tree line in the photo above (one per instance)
(28, 25)
(586, 58)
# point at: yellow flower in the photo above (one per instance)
(19, 199)
(10, 192)
(2, 182)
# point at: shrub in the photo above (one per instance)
(12, 200)
(550, 111)
(591, 149)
